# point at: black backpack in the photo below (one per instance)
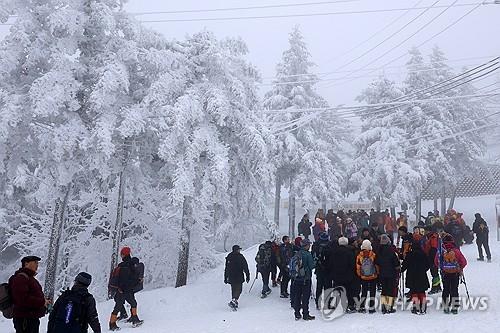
(263, 257)
(69, 316)
(138, 271)
(322, 254)
(6, 301)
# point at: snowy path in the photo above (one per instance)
(202, 307)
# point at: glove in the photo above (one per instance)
(248, 279)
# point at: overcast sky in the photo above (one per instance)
(330, 37)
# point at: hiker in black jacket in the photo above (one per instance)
(304, 226)
(480, 228)
(389, 269)
(236, 266)
(58, 318)
(342, 269)
(124, 281)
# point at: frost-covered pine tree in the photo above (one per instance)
(380, 171)
(307, 150)
(215, 144)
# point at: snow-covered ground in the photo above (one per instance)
(202, 307)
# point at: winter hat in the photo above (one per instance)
(29, 259)
(125, 251)
(323, 236)
(84, 278)
(403, 229)
(236, 248)
(385, 240)
(477, 216)
(343, 241)
(297, 241)
(366, 245)
(305, 242)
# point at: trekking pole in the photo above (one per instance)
(256, 276)
(465, 284)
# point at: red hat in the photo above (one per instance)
(125, 251)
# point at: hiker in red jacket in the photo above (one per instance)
(29, 303)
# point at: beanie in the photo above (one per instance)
(384, 239)
(84, 278)
(343, 241)
(305, 242)
(366, 245)
(125, 251)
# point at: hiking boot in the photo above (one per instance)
(454, 311)
(283, 296)
(480, 259)
(350, 310)
(298, 316)
(372, 311)
(446, 310)
(384, 310)
(414, 310)
(391, 310)
(123, 317)
(362, 310)
(136, 321)
(113, 327)
(489, 259)
(308, 317)
(287, 294)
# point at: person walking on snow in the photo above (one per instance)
(265, 260)
(416, 265)
(388, 262)
(75, 318)
(124, 280)
(234, 274)
(480, 228)
(286, 253)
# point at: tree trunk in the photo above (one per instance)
(291, 211)
(116, 234)
(277, 202)
(54, 244)
(378, 204)
(452, 198)
(435, 198)
(443, 200)
(418, 209)
(187, 220)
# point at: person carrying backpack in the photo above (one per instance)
(432, 243)
(28, 302)
(75, 310)
(320, 253)
(456, 230)
(451, 262)
(301, 266)
(236, 266)
(125, 280)
(264, 260)
(389, 269)
(416, 265)
(368, 273)
(286, 253)
(304, 226)
(480, 228)
(295, 249)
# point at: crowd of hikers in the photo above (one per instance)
(364, 253)
(23, 301)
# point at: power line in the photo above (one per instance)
(409, 37)
(387, 26)
(396, 32)
(423, 43)
(353, 12)
(369, 69)
(209, 10)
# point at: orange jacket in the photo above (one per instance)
(359, 260)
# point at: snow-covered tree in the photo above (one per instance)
(307, 147)
(215, 143)
(380, 170)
